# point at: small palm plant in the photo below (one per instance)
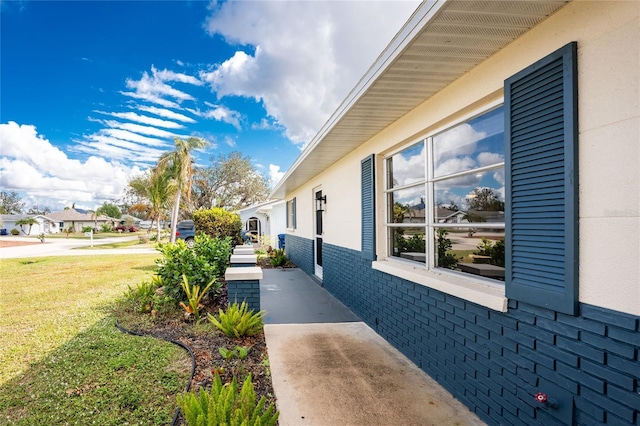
(238, 320)
(194, 297)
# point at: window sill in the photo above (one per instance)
(483, 293)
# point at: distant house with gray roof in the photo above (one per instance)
(78, 219)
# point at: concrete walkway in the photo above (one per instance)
(329, 368)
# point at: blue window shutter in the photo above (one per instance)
(295, 219)
(541, 133)
(368, 209)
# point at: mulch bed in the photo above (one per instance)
(205, 349)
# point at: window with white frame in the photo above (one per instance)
(291, 213)
(445, 198)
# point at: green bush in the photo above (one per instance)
(220, 223)
(238, 320)
(87, 229)
(445, 259)
(142, 296)
(493, 250)
(14, 231)
(224, 405)
(106, 227)
(278, 258)
(207, 261)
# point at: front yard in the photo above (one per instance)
(62, 361)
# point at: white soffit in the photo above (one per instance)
(442, 40)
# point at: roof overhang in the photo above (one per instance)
(441, 41)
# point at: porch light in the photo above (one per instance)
(320, 202)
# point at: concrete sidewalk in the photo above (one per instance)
(329, 368)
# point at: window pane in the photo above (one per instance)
(406, 167)
(407, 205)
(408, 243)
(476, 252)
(476, 197)
(476, 143)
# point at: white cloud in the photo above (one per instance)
(219, 113)
(167, 75)
(275, 174)
(166, 113)
(138, 128)
(132, 116)
(230, 141)
(489, 158)
(307, 56)
(31, 164)
(153, 98)
(266, 124)
(153, 85)
(133, 137)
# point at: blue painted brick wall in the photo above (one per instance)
(300, 251)
(491, 361)
(245, 290)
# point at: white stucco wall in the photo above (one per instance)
(608, 36)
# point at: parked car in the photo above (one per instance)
(186, 230)
(123, 228)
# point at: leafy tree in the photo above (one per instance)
(11, 203)
(485, 199)
(109, 209)
(231, 182)
(179, 164)
(26, 221)
(36, 210)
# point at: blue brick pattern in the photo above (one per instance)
(245, 291)
(300, 251)
(494, 362)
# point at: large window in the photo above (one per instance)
(445, 198)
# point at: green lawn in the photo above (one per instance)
(62, 361)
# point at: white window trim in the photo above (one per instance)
(484, 292)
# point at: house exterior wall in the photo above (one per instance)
(495, 360)
(609, 119)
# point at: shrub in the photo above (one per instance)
(445, 260)
(144, 239)
(224, 405)
(207, 261)
(220, 223)
(87, 229)
(278, 258)
(238, 320)
(14, 231)
(493, 250)
(106, 227)
(142, 296)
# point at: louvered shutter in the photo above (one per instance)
(368, 236)
(541, 135)
(295, 218)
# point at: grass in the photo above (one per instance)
(62, 361)
(120, 244)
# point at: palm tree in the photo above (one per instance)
(179, 164)
(26, 221)
(157, 189)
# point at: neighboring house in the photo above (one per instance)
(45, 225)
(78, 219)
(540, 102)
(265, 220)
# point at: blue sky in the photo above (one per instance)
(92, 92)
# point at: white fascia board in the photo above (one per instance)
(420, 18)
